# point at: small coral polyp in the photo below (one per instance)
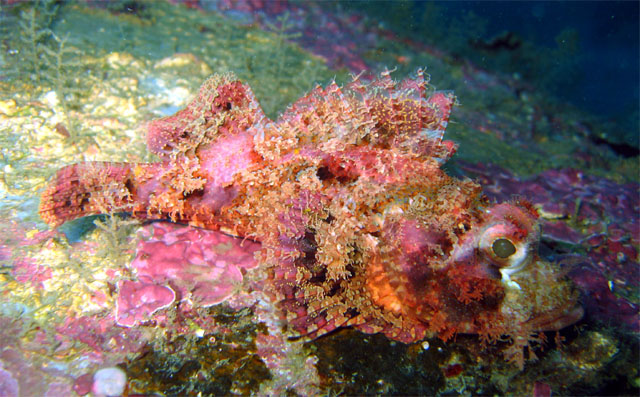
(358, 224)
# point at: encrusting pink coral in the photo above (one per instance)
(357, 223)
(137, 301)
(186, 264)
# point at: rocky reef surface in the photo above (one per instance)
(71, 305)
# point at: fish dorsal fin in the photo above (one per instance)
(408, 114)
(379, 112)
(223, 105)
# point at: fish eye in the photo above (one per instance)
(503, 248)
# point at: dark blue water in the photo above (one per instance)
(607, 33)
(585, 53)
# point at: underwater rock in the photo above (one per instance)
(109, 382)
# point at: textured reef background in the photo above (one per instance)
(78, 80)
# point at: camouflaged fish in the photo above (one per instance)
(359, 225)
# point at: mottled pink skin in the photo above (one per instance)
(138, 301)
(200, 265)
(163, 134)
(229, 155)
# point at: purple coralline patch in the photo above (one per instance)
(593, 215)
(26, 270)
(8, 385)
(201, 266)
(600, 299)
(83, 383)
(57, 389)
(340, 39)
(20, 374)
(102, 336)
(138, 301)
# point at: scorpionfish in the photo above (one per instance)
(358, 223)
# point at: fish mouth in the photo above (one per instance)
(557, 319)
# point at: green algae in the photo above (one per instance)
(34, 25)
(278, 71)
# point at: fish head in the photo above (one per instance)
(534, 293)
(482, 276)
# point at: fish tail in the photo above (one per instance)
(88, 188)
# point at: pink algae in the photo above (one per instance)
(137, 301)
(184, 264)
(8, 384)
